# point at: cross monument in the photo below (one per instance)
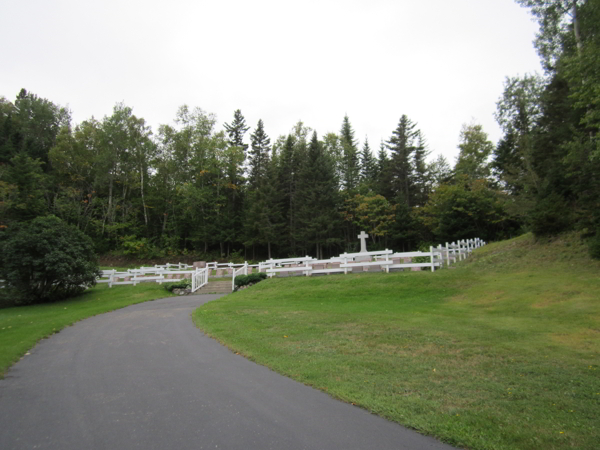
(363, 241)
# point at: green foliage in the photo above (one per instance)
(350, 169)
(548, 155)
(244, 280)
(550, 216)
(140, 247)
(241, 280)
(466, 209)
(594, 246)
(46, 260)
(183, 284)
(371, 213)
(475, 148)
(191, 188)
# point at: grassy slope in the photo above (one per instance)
(21, 327)
(501, 352)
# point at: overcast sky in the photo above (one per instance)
(440, 62)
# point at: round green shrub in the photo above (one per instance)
(46, 260)
(241, 280)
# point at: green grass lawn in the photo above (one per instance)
(502, 352)
(21, 327)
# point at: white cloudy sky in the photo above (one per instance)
(440, 62)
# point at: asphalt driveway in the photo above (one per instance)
(145, 377)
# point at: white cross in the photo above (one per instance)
(363, 241)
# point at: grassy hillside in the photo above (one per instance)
(502, 352)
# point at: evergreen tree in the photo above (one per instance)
(236, 131)
(318, 218)
(259, 155)
(383, 182)
(420, 174)
(350, 166)
(402, 147)
(368, 165)
(235, 156)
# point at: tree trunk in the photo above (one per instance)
(110, 195)
(143, 199)
(576, 29)
(165, 217)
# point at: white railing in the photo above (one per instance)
(236, 272)
(385, 260)
(199, 278)
(347, 262)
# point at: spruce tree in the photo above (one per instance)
(368, 165)
(350, 165)
(258, 155)
(236, 131)
(420, 173)
(383, 181)
(402, 147)
(318, 218)
(234, 161)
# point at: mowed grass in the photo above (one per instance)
(22, 327)
(502, 352)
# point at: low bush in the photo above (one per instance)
(183, 284)
(243, 280)
(594, 246)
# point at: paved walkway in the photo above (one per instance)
(144, 377)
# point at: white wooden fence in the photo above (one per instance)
(241, 271)
(199, 279)
(156, 274)
(382, 260)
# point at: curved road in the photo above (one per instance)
(145, 377)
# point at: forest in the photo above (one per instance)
(191, 188)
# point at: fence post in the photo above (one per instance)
(432, 259)
(387, 258)
(447, 255)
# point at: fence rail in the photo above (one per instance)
(381, 260)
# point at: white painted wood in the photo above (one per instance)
(363, 241)
(242, 270)
(200, 278)
(372, 263)
(374, 253)
(410, 265)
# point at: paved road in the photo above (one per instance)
(144, 377)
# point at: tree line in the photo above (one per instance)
(190, 187)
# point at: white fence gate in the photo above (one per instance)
(199, 279)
